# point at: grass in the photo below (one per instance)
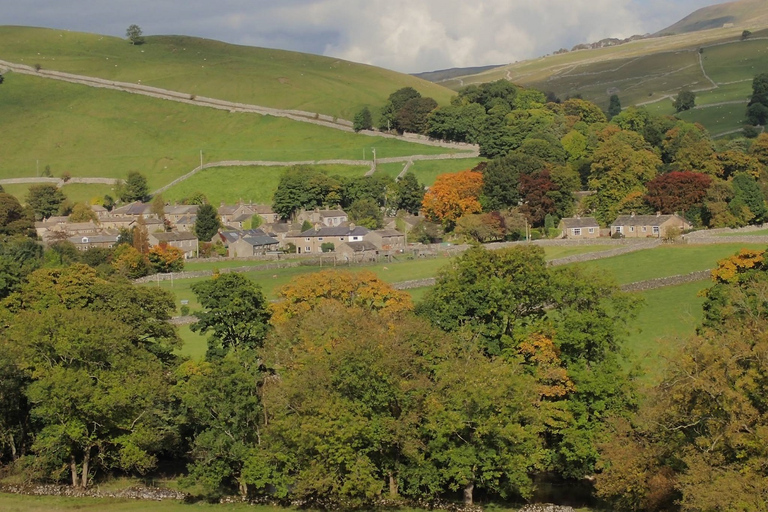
(75, 192)
(427, 170)
(102, 133)
(18, 503)
(254, 184)
(204, 67)
(667, 316)
(664, 261)
(719, 119)
(736, 61)
(758, 232)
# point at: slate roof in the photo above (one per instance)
(233, 235)
(579, 222)
(643, 220)
(260, 241)
(388, 232)
(174, 236)
(93, 239)
(331, 213)
(335, 231)
(361, 246)
(134, 209)
(181, 209)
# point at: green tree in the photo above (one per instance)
(363, 120)
(413, 115)
(747, 193)
(234, 311)
(134, 34)
(99, 399)
(366, 212)
(216, 397)
(410, 194)
(207, 223)
(685, 100)
(304, 187)
(81, 212)
(14, 219)
(396, 101)
(759, 90)
(614, 106)
(45, 200)
(134, 188)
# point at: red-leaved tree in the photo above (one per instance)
(677, 191)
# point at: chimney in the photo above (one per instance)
(632, 215)
(658, 214)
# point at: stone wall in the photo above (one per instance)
(661, 282)
(137, 493)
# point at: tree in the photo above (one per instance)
(759, 90)
(134, 34)
(2, 79)
(363, 120)
(207, 223)
(501, 179)
(537, 191)
(677, 191)
(366, 212)
(452, 196)
(215, 397)
(140, 236)
(410, 194)
(165, 258)
(98, 397)
(395, 102)
(747, 193)
(157, 206)
(234, 311)
(757, 114)
(685, 100)
(360, 289)
(134, 188)
(129, 262)
(14, 219)
(45, 200)
(304, 187)
(745, 35)
(412, 116)
(485, 227)
(614, 106)
(81, 212)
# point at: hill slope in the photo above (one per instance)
(717, 64)
(742, 14)
(273, 78)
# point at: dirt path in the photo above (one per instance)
(202, 101)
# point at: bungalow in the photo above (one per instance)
(637, 226)
(357, 252)
(311, 241)
(252, 245)
(579, 227)
(388, 239)
(185, 241)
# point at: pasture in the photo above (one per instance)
(103, 133)
(260, 76)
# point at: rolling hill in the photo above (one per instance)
(95, 132)
(272, 78)
(715, 63)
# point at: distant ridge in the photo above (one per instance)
(447, 74)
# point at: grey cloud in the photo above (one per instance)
(406, 35)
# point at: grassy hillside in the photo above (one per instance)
(743, 13)
(97, 132)
(651, 71)
(260, 76)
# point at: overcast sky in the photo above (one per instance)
(404, 35)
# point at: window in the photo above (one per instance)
(645, 228)
(341, 238)
(355, 238)
(320, 238)
(307, 239)
(576, 231)
(631, 228)
(591, 230)
(618, 229)
(307, 249)
(655, 230)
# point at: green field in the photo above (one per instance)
(427, 170)
(103, 133)
(254, 184)
(665, 261)
(75, 192)
(18, 503)
(668, 316)
(204, 67)
(758, 232)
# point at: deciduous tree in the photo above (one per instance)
(45, 200)
(452, 196)
(677, 191)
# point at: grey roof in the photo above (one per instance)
(135, 209)
(93, 239)
(187, 219)
(332, 213)
(259, 241)
(336, 231)
(388, 232)
(233, 235)
(361, 246)
(242, 217)
(181, 209)
(263, 209)
(644, 220)
(579, 222)
(174, 236)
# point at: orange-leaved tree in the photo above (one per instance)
(362, 289)
(453, 195)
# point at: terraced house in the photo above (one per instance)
(641, 226)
